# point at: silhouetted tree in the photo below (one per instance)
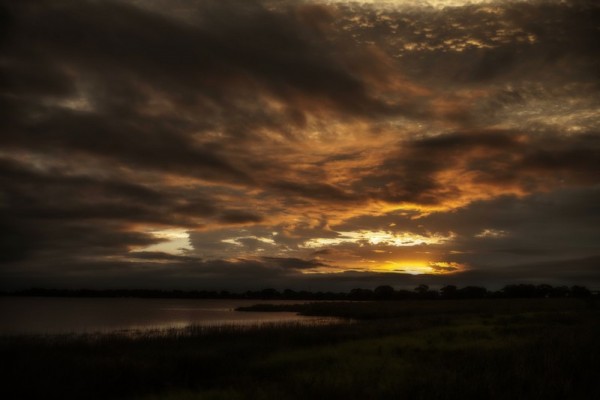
(422, 289)
(360, 294)
(423, 292)
(269, 293)
(448, 291)
(543, 290)
(580, 292)
(521, 290)
(404, 294)
(472, 292)
(559, 291)
(384, 292)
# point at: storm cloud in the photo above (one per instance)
(303, 144)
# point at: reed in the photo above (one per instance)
(467, 349)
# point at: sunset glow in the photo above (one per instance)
(242, 144)
(378, 237)
(421, 267)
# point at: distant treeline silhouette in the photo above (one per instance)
(384, 292)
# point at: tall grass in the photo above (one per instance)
(517, 349)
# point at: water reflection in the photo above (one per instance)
(80, 315)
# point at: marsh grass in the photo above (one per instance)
(493, 349)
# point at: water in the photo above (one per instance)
(42, 315)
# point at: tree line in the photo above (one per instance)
(383, 292)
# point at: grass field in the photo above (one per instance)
(462, 349)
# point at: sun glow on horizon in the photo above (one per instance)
(411, 267)
(419, 267)
(415, 3)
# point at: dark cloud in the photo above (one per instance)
(14, 245)
(58, 194)
(244, 144)
(489, 235)
(239, 217)
(252, 275)
(161, 256)
(293, 263)
(538, 228)
(434, 170)
(479, 44)
(315, 190)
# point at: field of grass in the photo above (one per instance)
(462, 349)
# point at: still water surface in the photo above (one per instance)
(43, 315)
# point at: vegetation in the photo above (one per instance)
(467, 349)
(384, 292)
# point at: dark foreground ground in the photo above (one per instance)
(461, 349)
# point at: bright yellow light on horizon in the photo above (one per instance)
(413, 3)
(406, 267)
(419, 267)
(412, 267)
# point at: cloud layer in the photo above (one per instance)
(245, 144)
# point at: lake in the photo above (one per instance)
(50, 315)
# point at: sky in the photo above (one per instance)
(317, 145)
